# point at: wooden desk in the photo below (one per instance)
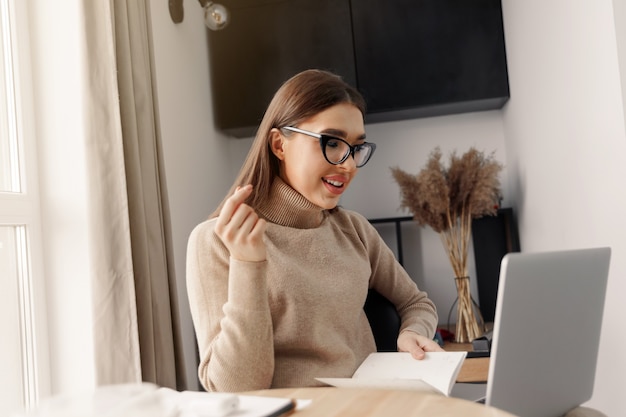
(474, 369)
(365, 402)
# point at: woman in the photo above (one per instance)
(278, 276)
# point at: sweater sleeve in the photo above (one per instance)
(231, 315)
(417, 312)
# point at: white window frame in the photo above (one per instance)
(22, 210)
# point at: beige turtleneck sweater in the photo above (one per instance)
(299, 314)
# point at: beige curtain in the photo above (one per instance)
(136, 335)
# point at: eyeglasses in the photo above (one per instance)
(337, 150)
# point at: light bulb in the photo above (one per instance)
(215, 16)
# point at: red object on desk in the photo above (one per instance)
(446, 335)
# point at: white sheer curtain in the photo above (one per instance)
(135, 314)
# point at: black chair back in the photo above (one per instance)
(384, 320)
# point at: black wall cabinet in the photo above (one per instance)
(409, 58)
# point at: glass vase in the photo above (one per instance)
(467, 323)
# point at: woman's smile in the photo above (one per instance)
(335, 184)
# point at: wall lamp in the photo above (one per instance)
(215, 15)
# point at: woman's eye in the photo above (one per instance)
(333, 143)
(360, 147)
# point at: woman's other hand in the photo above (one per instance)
(240, 228)
(416, 344)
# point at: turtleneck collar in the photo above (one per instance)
(287, 207)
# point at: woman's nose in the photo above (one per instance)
(349, 164)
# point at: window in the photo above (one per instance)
(22, 327)
(9, 155)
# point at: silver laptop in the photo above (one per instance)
(546, 332)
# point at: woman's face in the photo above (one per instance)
(302, 163)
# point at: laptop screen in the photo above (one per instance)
(547, 330)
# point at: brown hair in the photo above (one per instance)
(302, 96)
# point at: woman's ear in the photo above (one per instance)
(276, 143)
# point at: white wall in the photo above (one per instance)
(565, 146)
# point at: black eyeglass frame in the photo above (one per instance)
(324, 138)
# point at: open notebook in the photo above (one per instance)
(546, 332)
(435, 373)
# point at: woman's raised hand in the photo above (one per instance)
(240, 228)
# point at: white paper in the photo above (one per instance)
(255, 406)
(148, 400)
(388, 383)
(437, 372)
(205, 404)
(211, 404)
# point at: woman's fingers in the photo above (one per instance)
(232, 203)
(258, 231)
(240, 228)
(417, 345)
(237, 222)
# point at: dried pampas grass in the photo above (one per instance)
(447, 199)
